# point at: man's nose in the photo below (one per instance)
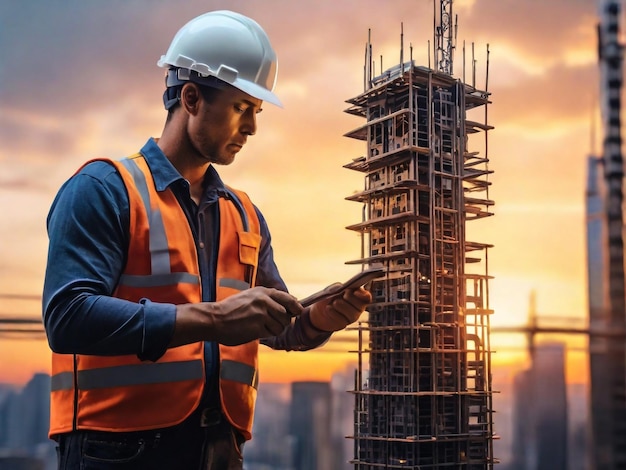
(249, 125)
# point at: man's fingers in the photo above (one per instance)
(358, 297)
(340, 310)
(352, 304)
(287, 301)
(346, 309)
(275, 315)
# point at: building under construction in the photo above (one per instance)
(605, 256)
(423, 397)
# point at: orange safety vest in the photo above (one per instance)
(122, 393)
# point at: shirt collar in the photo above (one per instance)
(214, 187)
(162, 170)
(165, 174)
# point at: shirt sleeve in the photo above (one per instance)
(300, 335)
(88, 230)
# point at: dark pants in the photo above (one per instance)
(205, 441)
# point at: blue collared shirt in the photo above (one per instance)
(88, 230)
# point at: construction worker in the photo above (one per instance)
(161, 282)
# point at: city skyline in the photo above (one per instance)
(24, 432)
(55, 119)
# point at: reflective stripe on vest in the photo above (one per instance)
(124, 376)
(142, 374)
(158, 280)
(234, 284)
(159, 247)
(239, 372)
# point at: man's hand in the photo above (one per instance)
(336, 313)
(251, 314)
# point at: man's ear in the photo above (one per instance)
(190, 97)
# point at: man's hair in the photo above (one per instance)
(208, 94)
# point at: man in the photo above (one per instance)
(161, 279)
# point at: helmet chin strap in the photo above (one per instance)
(177, 77)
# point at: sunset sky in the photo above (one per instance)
(78, 79)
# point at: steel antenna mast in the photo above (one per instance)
(445, 38)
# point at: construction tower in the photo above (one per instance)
(605, 256)
(423, 397)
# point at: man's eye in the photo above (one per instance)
(239, 109)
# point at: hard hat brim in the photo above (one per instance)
(257, 92)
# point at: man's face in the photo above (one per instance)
(222, 125)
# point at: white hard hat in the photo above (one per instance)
(228, 46)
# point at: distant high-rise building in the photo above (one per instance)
(540, 439)
(423, 388)
(285, 435)
(310, 416)
(550, 406)
(524, 452)
(600, 367)
(31, 421)
(578, 426)
(271, 447)
(24, 423)
(8, 401)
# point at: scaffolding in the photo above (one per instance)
(423, 397)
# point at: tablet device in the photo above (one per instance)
(356, 281)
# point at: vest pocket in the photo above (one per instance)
(249, 245)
